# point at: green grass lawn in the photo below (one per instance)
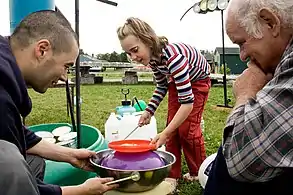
(100, 100)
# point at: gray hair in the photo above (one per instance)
(246, 13)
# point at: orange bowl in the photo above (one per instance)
(132, 146)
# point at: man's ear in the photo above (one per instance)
(43, 47)
(271, 21)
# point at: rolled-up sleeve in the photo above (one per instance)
(31, 138)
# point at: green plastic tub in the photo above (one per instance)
(64, 174)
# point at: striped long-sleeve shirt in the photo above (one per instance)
(258, 137)
(182, 64)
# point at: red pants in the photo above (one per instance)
(189, 135)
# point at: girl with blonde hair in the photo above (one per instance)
(183, 72)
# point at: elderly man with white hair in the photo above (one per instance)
(256, 155)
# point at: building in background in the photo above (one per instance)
(210, 58)
(232, 58)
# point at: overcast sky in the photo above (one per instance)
(98, 22)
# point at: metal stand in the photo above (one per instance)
(77, 71)
(226, 100)
(77, 78)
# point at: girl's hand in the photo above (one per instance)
(145, 119)
(160, 139)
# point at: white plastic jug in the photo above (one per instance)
(129, 121)
(112, 128)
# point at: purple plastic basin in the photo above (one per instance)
(133, 161)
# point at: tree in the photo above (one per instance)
(106, 56)
(114, 57)
(99, 56)
(123, 57)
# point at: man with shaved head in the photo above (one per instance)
(38, 53)
(256, 155)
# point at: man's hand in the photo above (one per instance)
(77, 157)
(93, 186)
(96, 186)
(80, 159)
(249, 83)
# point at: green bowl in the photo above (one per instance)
(64, 174)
